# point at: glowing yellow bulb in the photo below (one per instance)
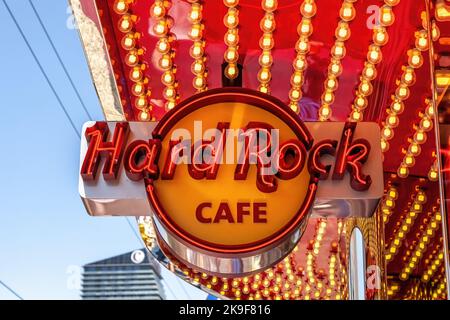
(125, 24)
(308, 8)
(231, 71)
(386, 16)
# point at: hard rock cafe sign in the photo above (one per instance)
(230, 177)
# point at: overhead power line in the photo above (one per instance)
(36, 13)
(36, 59)
(11, 290)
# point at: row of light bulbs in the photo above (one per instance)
(422, 245)
(402, 92)
(374, 56)
(342, 34)
(418, 138)
(408, 220)
(266, 43)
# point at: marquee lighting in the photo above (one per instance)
(342, 34)
(379, 39)
(402, 92)
(410, 216)
(197, 51)
(266, 43)
(308, 10)
(231, 21)
(161, 29)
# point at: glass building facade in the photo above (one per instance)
(132, 275)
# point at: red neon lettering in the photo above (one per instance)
(177, 149)
(351, 155)
(291, 160)
(315, 166)
(198, 169)
(97, 136)
(141, 159)
(265, 183)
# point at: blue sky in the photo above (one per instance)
(44, 229)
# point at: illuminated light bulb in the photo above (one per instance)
(338, 50)
(397, 106)
(299, 63)
(141, 102)
(265, 59)
(231, 71)
(264, 75)
(369, 71)
(328, 97)
(144, 116)
(136, 74)
(420, 137)
(168, 78)
(342, 31)
(422, 40)
(335, 67)
(165, 62)
(199, 82)
(295, 95)
(325, 112)
(365, 87)
(380, 36)
(269, 5)
(170, 105)
(125, 23)
(196, 12)
(361, 102)
(356, 115)
(302, 46)
(231, 38)
(414, 149)
(132, 59)
(294, 107)
(409, 160)
(264, 88)
(386, 16)
(429, 111)
(231, 55)
(138, 88)
(415, 58)
(163, 45)
(231, 19)
(120, 6)
(387, 133)
(408, 76)
(347, 12)
(435, 33)
(198, 67)
(158, 10)
(421, 197)
(374, 55)
(268, 23)
(266, 42)
(169, 93)
(331, 84)
(308, 8)
(392, 120)
(393, 194)
(231, 3)
(160, 28)
(402, 92)
(128, 42)
(305, 28)
(426, 124)
(196, 32)
(196, 50)
(297, 79)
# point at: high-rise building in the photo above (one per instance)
(132, 275)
